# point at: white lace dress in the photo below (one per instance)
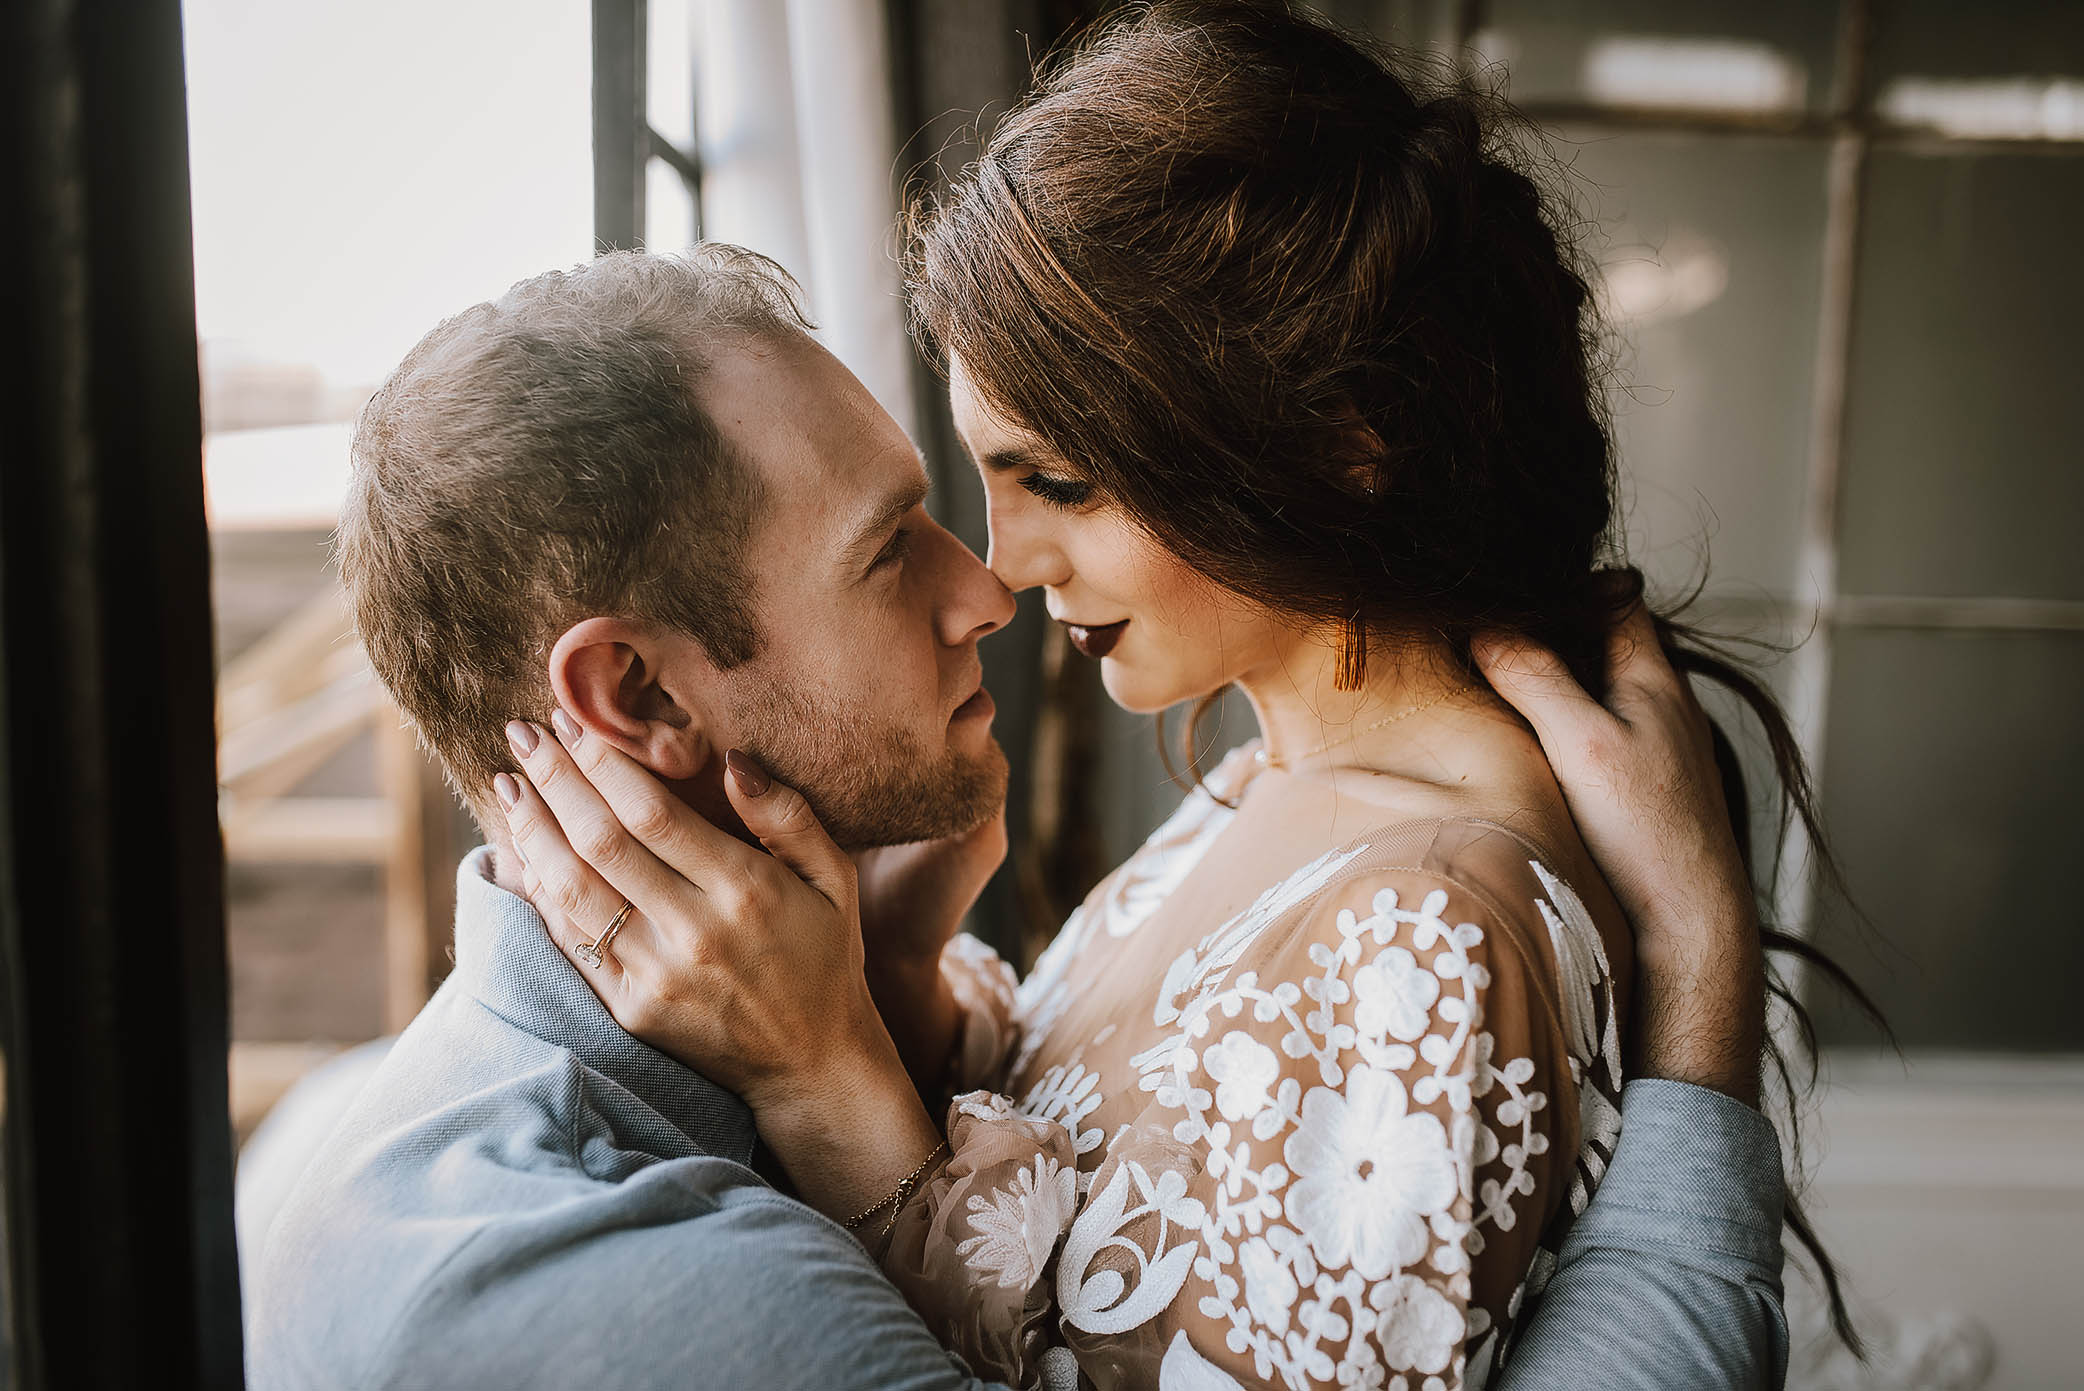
(1323, 1133)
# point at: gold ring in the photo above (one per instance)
(590, 952)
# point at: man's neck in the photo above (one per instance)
(506, 866)
(704, 792)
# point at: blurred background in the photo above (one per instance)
(1838, 242)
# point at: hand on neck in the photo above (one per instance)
(704, 792)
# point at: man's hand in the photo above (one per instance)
(1640, 778)
(913, 898)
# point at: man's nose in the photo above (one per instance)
(975, 603)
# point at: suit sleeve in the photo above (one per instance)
(760, 1292)
(1670, 1281)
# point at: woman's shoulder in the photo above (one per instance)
(1530, 908)
(1501, 868)
(1501, 849)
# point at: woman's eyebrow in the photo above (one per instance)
(1010, 458)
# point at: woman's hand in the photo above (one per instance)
(1639, 774)
(745, 966)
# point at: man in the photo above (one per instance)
(638, 492)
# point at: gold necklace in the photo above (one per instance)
(1285, 764)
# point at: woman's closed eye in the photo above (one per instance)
(1058, 492)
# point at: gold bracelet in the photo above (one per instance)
(895, 1199)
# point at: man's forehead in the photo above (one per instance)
(830, 458)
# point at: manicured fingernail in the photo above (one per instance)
(522, 738)
(752, 778)
(507, 790)
(567, 727)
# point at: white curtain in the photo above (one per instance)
(794, 116)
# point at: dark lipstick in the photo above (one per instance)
(1096, 642)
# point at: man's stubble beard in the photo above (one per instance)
(865, 776)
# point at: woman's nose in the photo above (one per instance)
(1020, 553)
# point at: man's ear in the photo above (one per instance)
(646, 690)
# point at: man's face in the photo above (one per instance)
(867, 693)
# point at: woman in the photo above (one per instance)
(1278, 377)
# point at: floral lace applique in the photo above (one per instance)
(1586, 989)
(1345, 1173)
(1067, 1095)
(1162, 863)
(1100, 1298)
(1333, 1140)
(1119, 905)
(1017, 1230)
(1128, 897)
(1203, 967)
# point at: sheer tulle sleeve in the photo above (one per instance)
(1359, 1115)
(971, 1248)
(968, 1250)
(987, 992)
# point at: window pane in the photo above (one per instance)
(669, 209)
(1951, 773)
(1721, 56)
(359, 173)
(1965, 72)
(1964, 403)
(1710, 249)
(1765, 643)
(669, 71)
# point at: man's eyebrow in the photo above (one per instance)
(870, 532)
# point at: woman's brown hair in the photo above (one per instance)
(1309, 320)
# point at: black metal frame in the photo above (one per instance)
(624, 142)
(112, 949)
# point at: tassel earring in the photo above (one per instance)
(1352, 669)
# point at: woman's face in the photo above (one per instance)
(1163, 632)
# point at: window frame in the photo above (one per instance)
(624, 140)
(1852, 131)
